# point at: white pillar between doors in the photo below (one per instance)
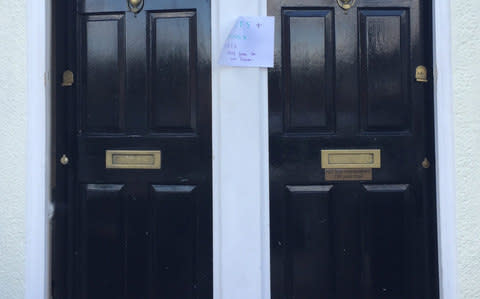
(444, 149)
(240, 166)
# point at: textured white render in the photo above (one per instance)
(466, 86)
(13, 143)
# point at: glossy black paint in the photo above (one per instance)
(346, 80)
(143, 82)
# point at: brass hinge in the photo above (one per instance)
(68, 78)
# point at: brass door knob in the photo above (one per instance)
(426, 163)
(64, 160)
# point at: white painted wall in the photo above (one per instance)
(13, 143)
(466, 86)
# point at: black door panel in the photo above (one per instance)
(345, 79)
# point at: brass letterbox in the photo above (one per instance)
(351, 158)
(129, 159)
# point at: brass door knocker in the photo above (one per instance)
(135, 6)
(346, 4)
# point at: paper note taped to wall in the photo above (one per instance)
(250, 43)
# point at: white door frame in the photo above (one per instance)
(37, 255)
(240, 159)
(444, 149)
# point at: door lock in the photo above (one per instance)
(67, 78)
(421, 74)
(64, 160)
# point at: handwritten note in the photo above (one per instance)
(250, 43)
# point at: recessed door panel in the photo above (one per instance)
(384, 64)
(389, 227)
(173, 75)
(310, 254)
(175, 241)
(309, 84)
(104, 72)
(351, 204)
(103, 239)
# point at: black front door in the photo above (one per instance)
(351, 168)
(138, 205)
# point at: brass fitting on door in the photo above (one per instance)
(135, 6)
(426, 164)
(421, 74)
(346, 4)
(64, 160)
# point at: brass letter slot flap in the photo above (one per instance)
(126, 159)
(368, 158)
